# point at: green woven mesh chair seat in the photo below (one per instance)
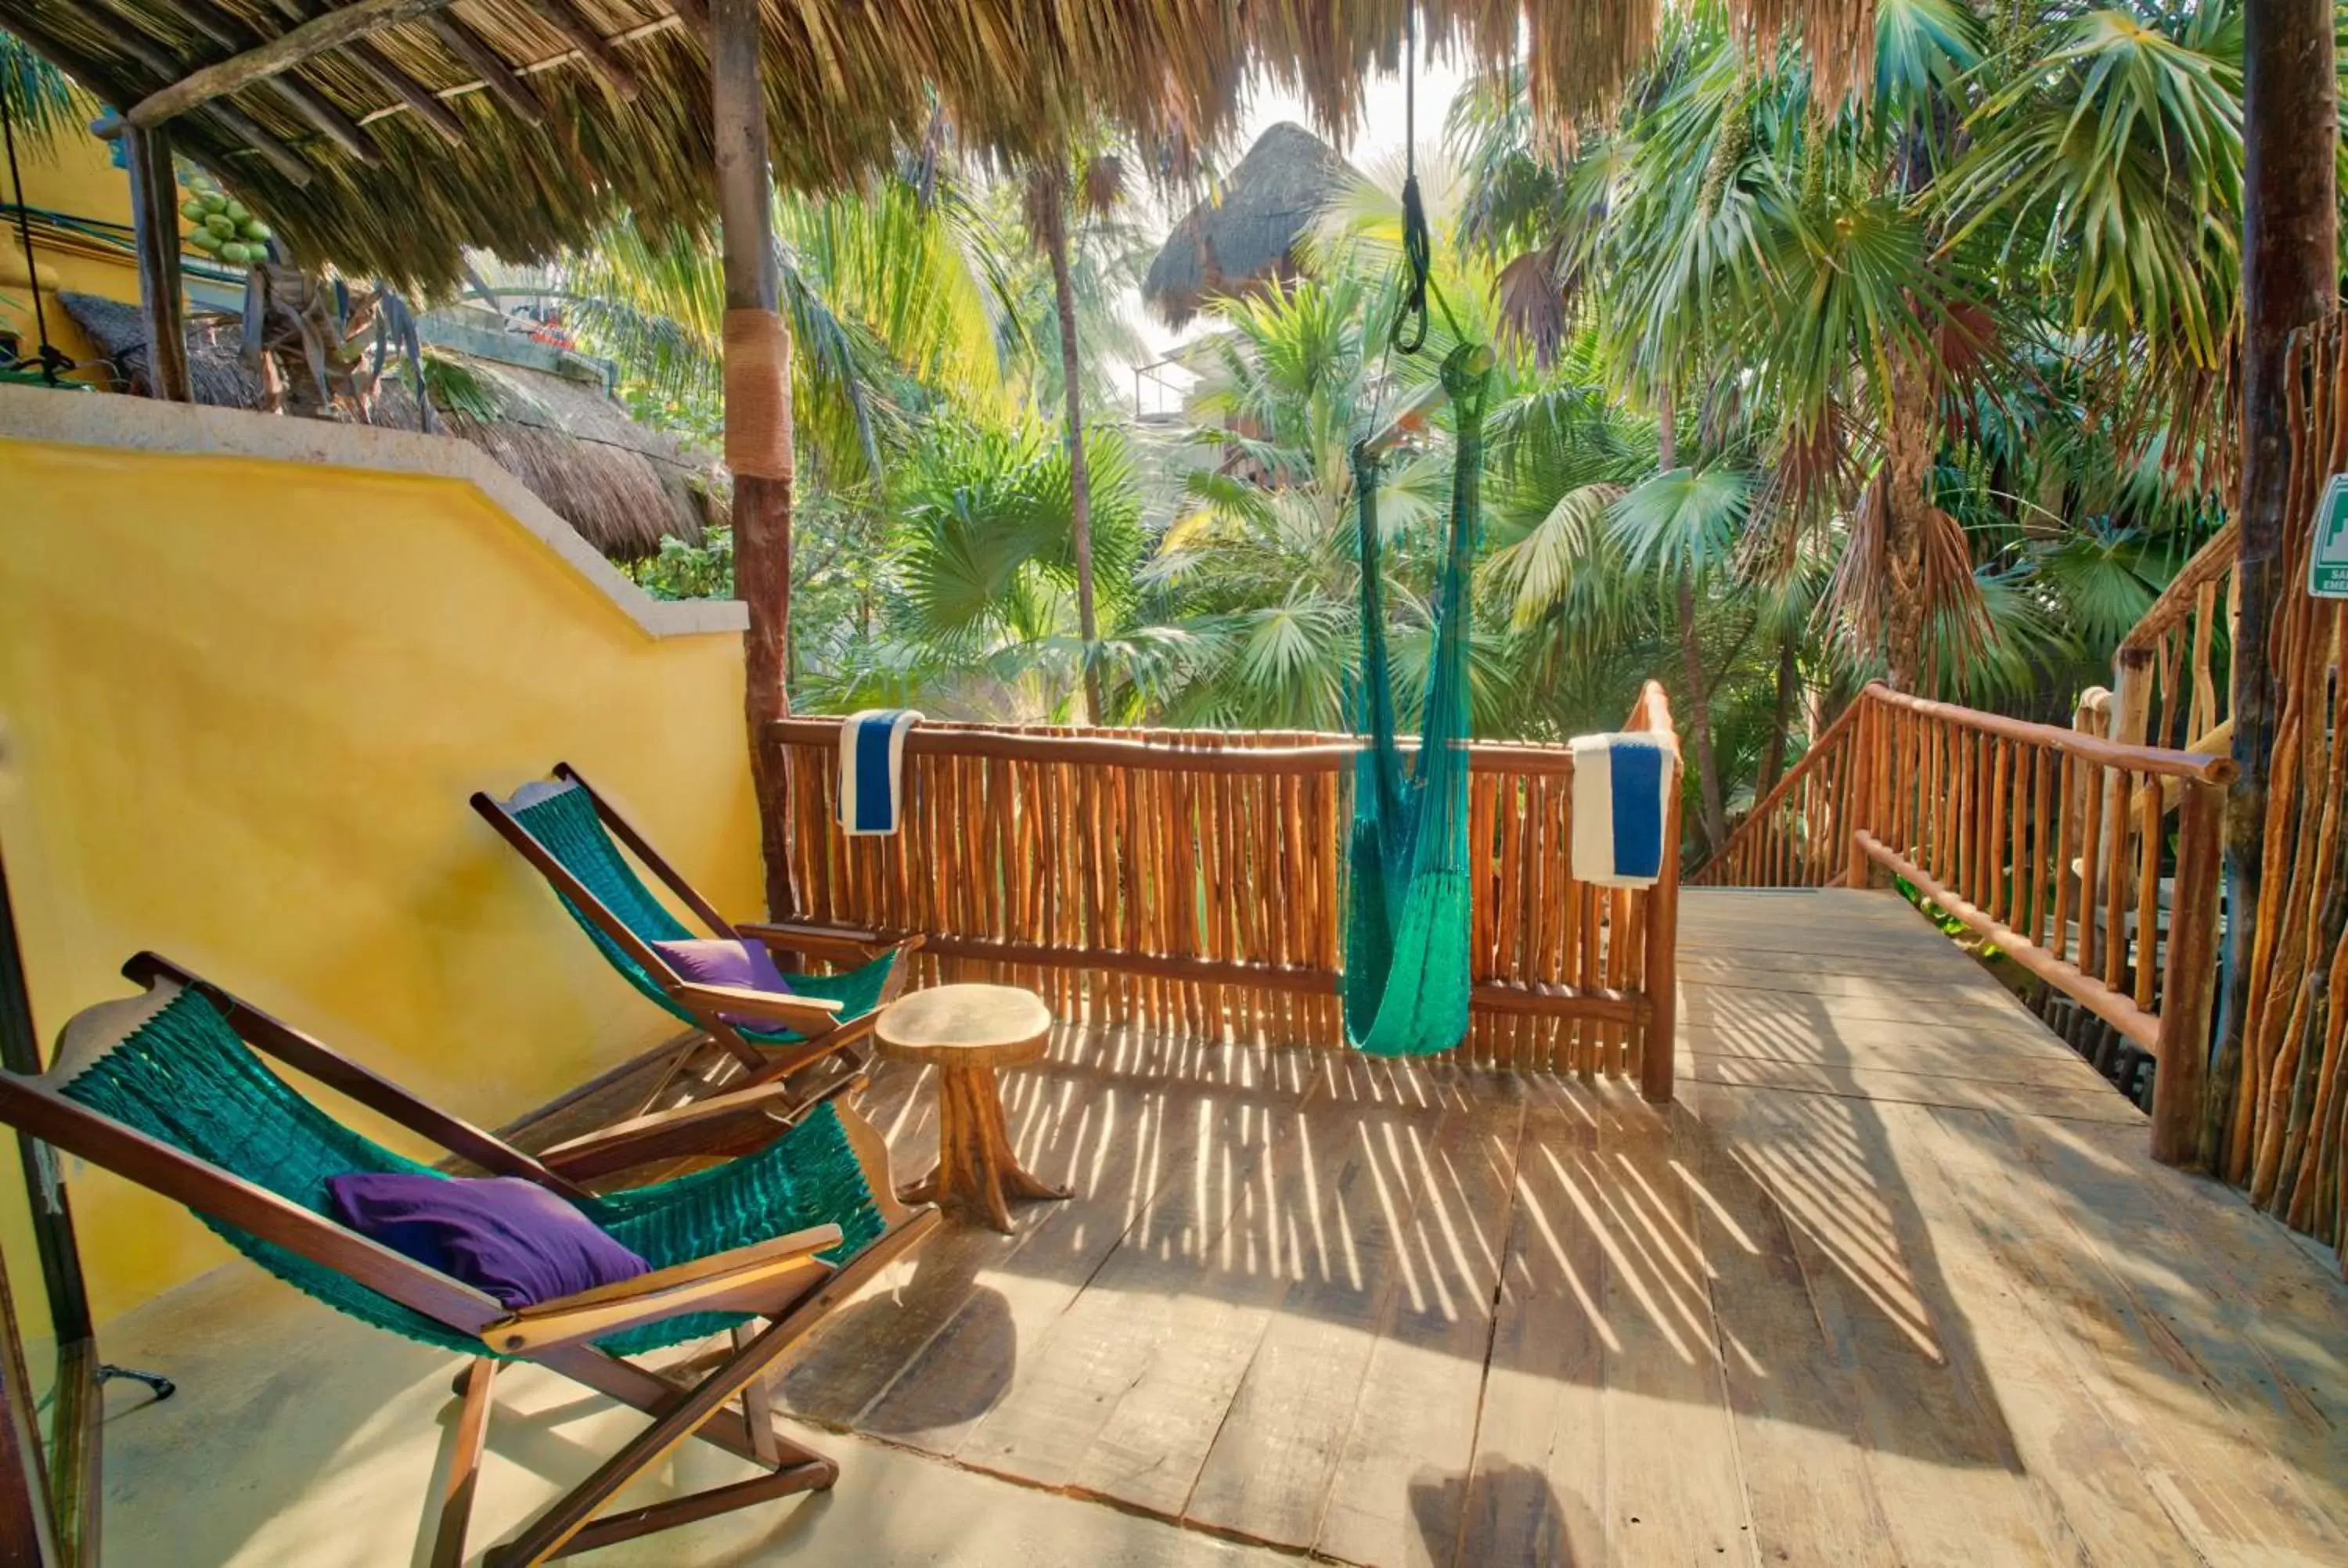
(185, 1078)
(564, 821)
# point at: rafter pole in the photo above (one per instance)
(757, 411)
(335, 29)
(496, 76)
(584, 36)
(240, 127)
(409, 91)
(373, 61)
(229, 33)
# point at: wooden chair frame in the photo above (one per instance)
(780, 1280)
(826, 1033)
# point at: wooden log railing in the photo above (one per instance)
(1799, 834)
(2172, 681)
(1191, 880)
(2008, 827)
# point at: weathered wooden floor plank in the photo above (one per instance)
(1675, 1490)
(1267, 1475)
(1536, 1490)
(1399, 1487)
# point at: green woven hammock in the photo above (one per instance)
(1407, 979)
(566, 824)
(186, 1079)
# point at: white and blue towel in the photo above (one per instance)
(872, 769)
(1622, 799)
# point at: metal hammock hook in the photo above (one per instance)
(1410, 325)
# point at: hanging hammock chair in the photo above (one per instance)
(1407, 980)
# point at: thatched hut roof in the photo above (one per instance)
(1246, 232)
(621, 485)
(518, 126)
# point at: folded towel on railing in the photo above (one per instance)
(1622, 800)
(872, 769)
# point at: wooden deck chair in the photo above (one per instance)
(574, 836)
(170, 1090)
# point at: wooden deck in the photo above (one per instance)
(1893, 1282)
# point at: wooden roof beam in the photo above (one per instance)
(511, 83)
(581, 35)
(498, 77)
(229, 33)
(409, 91)
(99, 80)
(377, 65)
(343, 26)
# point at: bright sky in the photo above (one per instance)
(1380, 140)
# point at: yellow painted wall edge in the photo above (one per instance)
(250, 670)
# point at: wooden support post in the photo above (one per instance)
(762, 474)
(2290, 266)
(2130, 716)
(2180, 1075)
(28, 1533)
(1659, 1048)
(155, 236)
(1859, 806)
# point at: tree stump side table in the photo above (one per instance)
(966, 1032)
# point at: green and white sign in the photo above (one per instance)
(2327, 563)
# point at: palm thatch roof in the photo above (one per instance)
(621, 485)
(518, 126)
(1246, 233)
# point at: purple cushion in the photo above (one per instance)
(717, 961)
(501, 1235)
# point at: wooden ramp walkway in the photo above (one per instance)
(1894, 1282)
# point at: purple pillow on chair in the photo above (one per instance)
(717, 961)
(501, 1235)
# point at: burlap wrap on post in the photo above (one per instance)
(758, 394)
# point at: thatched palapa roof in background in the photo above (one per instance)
(1247, 232)
(621, 485)
(518, 126)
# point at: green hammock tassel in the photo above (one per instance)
(1407, 980)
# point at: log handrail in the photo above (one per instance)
(2159, 761)
(1173, 751)
(2209, 564)
(1191, 881)
(1754, 832)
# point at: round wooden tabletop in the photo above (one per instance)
(965, 1026)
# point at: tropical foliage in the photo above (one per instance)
(1795, 391)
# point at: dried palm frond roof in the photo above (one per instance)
(1246, 231)
(518, 126)
(621, 485)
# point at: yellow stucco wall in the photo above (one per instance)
(76, 174)
(245, 701)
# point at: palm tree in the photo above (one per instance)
(893, 299)
(1727, 220)
(1092, 184)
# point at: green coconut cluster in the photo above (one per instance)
(224, 227)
